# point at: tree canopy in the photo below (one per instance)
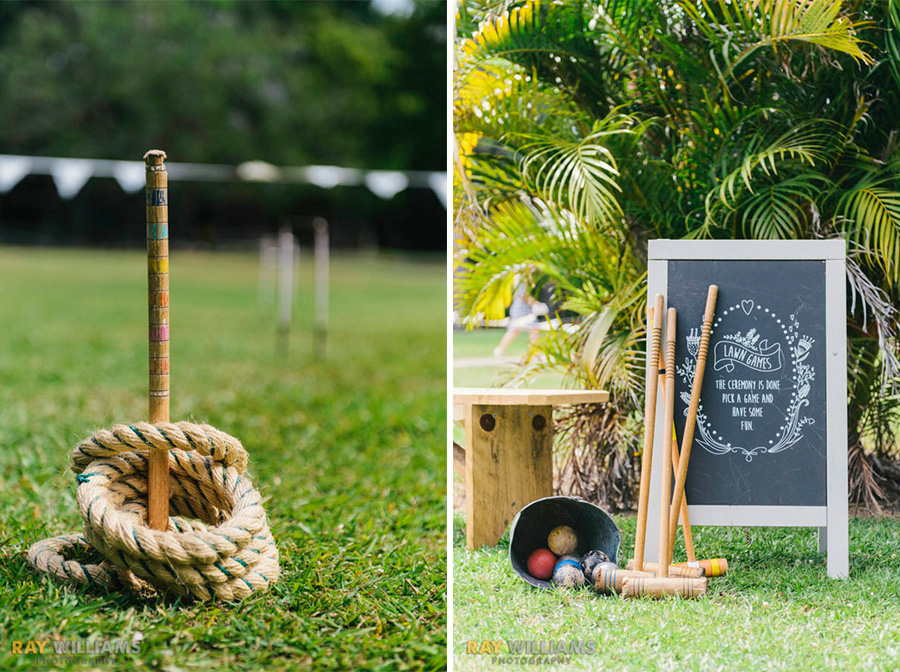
(225, 81)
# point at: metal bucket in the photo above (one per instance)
(595, 530)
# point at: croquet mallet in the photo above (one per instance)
(711, 566)
(662, 584)
(654, 337)
(685, 520)
(668, 424)
(691, 420)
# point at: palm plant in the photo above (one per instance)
(588, 127)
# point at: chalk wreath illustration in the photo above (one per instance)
(759, 352)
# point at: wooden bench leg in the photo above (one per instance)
(509, 463)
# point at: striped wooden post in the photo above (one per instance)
(685, 516)
(158, 302)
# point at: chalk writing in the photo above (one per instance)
(763, 382)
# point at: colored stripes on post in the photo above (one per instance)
(157, 203)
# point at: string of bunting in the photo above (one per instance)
(70, 175)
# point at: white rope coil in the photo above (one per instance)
(218, 544)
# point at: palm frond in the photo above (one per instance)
(870, 211)
(548, 38)
(810, 143)
(781, 209)
(577, 175)
(740, 28)
(892, 39)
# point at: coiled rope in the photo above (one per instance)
(218, 544)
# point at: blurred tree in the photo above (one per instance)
(284, 82)
(224, 82)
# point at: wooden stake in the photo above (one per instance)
(268, 261)
(285, 286)
(157, 191)
(691, 421)
(668, 428)
(321, 269)
(654, 337)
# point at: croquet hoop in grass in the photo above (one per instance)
(218, 544)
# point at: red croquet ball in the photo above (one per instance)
(541, 563)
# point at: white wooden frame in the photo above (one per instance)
(831, 519)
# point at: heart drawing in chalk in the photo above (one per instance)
(747, 305)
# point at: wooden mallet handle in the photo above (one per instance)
(691, 420)
(157, 191)
(668, 428)
(685, 517)
(654, 337)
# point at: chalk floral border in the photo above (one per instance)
(803, 375)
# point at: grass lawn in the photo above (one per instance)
(776, 610)
(349, 453)
(480, 343)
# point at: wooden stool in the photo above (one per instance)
(509, 452)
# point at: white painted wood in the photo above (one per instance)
(321, 267)
(822, 540)
(295, 259)
(321, 262)
(657, 283)
(268, 260)
(750, 250)
(836, 403)
(759, 516)
(285, 281)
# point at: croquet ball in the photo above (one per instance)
(532, 525)
(562, 540)
(541, 563)
(589, 562)
(567, 573)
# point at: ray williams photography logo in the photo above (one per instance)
(96, 651)
(530, 651)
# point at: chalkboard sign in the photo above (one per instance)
(770, 445)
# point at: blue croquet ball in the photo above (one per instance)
(568, 572)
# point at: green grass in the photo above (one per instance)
(775, 610)
(349, 453)
(481, 343)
